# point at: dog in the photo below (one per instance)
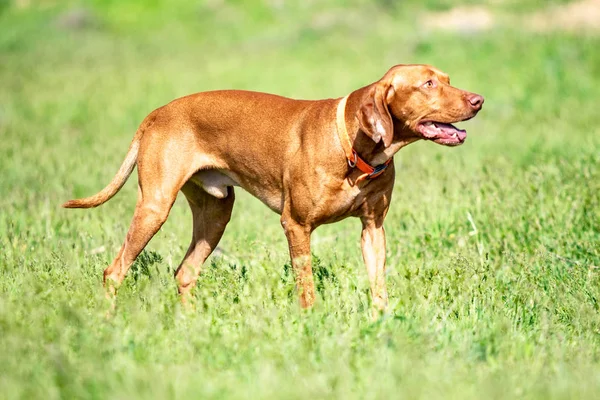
(312, 162)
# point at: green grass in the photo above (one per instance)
(493, 247)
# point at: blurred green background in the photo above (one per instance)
(493, 247)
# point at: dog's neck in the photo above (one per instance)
(373, 153)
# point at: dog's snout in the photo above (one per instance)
(475, 101)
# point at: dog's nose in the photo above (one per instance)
(476, 101)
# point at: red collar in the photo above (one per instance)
(354, 160)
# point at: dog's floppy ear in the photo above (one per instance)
(374, 116)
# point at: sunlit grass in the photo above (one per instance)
(493, 247)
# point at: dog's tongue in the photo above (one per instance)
(449, 129)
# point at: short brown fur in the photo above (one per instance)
(285, 152)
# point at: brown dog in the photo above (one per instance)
(309, 161)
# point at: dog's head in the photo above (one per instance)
(417, 101)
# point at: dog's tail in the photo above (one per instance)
(116, 184)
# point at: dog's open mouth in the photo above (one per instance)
(441, 133)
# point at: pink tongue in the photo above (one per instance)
(450, 129)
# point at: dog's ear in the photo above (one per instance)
(374, 115)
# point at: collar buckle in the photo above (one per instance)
(378, 170)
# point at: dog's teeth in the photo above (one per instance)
(428, 123)
(454, 135)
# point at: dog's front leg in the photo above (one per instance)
(298, 237)
(373, 250)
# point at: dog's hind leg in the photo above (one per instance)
(160, 177)
(149, 216)
(210, 216)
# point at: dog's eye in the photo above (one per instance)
(428, 85)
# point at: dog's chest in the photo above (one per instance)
(331, 203)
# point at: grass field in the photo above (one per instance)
(493, 247)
